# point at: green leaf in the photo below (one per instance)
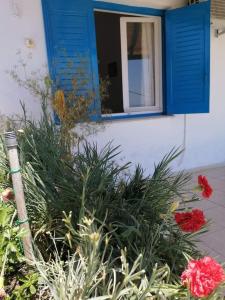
(33, 290)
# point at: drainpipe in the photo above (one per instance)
(12, 147)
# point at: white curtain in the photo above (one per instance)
(141, 70)
(147, 85)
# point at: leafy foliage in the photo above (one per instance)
(4, 167)
(90, 274)
(13, 284)
(10, 239)
(128, 248)
(27, 287)
(137, 209)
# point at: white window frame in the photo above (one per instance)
(158, 107)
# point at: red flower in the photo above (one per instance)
(7, 195)
(203, 276)
(190, 221)
(205, 187)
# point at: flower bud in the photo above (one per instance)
(174, 206)
(95, 237)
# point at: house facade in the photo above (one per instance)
(163, 59)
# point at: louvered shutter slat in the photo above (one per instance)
(187, 59)
(70, 39)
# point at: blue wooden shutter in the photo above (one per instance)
(188, 59)
(71, 44)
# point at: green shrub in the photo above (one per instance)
(26, 288)
(17, 280)
(91, 274)
(136, 208)
(10, 241)
(129, 249)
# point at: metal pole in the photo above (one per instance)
(12, 145)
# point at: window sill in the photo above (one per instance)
(132, 116)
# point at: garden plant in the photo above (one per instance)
(101, 230)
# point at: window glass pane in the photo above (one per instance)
(140, 48)
(109, 60)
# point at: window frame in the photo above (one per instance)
(157, 63)
(201, 10)
(137, 12)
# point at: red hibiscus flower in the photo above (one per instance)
(190, 221)
(203, 276)
(205, 186)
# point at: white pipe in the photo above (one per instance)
(11, 144)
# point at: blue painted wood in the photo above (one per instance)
(163, 64)
(127, 8)
(129, 116)
(71, 44)
(188, 59)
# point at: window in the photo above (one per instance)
(130, 56)
(128, 51)
(141, 64)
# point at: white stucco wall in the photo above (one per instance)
(14, 30)
(142, 141)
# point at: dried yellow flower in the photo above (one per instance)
(59, 104)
